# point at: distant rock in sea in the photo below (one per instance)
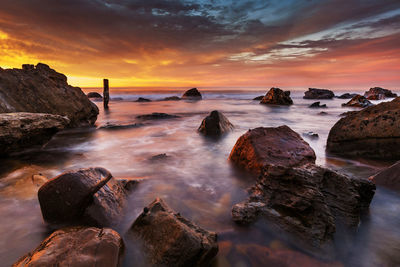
(358, 101)
(377, 93)
(94, 95)
(276, 96)
(346, 96)
(215, 124)
(315, 93)
(172, 98)
(192, 94)
(142, 99)
(317, 105)
(156, 116)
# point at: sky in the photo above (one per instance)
(340, 44)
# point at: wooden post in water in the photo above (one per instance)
(106, 94)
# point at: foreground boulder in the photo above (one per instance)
(22, 130)
(262, 147)
(358, 101)
(314, 93)
(77, 246)
(94, 95)
(171, 240)
(41, 89)
(215, 124)
(373, 132)
(192, 94)
(87, 196)
(389, 177)
(308, 202)
(377, 93)
(276, 96)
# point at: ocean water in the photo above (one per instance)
(195, 179)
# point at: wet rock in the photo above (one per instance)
(41, 89)
(192, 94)
(262, 147)
(22, 130)
(389, 177)
(276, 96)
(156, 116)
(358, 101)
(87, 196)
(113, 126)
(77, 246)
(373, 132)
(314, 93)
(142, 99)
(311, 135)
(377, 93)
(258, 98)
(171, 240)
(317, 105)
(347, 96)
(215, 124)
(172, 98)
(94, 95)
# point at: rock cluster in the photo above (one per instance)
(276, 96)
(377, 93)
(358, 101)
(215, 124)
(314, 93)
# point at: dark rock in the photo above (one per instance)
(22, 130)
(171, 240)
(276, 96)
(358, 101)
(142, 99)
(156, 116)
(129, 184)
(262, 147)
(314, 93)
(117, 99)
(347, 96)
(258, 98)
(215, 124)
(94, 95)
(322, 113)
(389, 177)
(373, 132)
(172, 98)
(377, 93)
(159, 157)
(87, 196)
(112, 126)
(317, 105)
(192, 94)
(77, 246)
(43, 90)
(311, 135)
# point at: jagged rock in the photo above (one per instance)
(156, 116)
(192, 94)
(172, 98)
(347, 96)
(389, 177)
(77, 246)
(373, 132)
(276, 96)
(262, 147)
(314, 93)
(171, 240)
(87, 196)
(215, 124)
(317, 105)
(377, 93)
(142, 99)
(41, 89)
(258, 98)
(22, 130)
(94, 95)
(358, 101)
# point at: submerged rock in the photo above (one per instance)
(358, 101)
(94, 95)
(21, 130)
(77, 246)
(215, 124)
(377, 93)
(317, 105)
(262, 147)
(172, 98)
(171, 240)
(192, 94)
(314, 93)
(41, 89)
(142, 99)
(347, 96)
(156, 116)
(389, 177)
(276, 96)
(373, 132)
(258, 98)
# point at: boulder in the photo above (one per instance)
(142, 99)
(373, 132)
(171, 240)
(22, 130)
(77, 246)
(192, 94)
(358, 101)
(377, 93)
(276, 96)
(308, 202)
(317, 105)
(215, 124)
(87, 196)
(262, 147)
(389, 177)
(314, 93)
(347, 96)
(172, 98)
(41, 89)
(94, 95)
(258, 98)
(156, 116)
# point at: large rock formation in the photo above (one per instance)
(358, 101)
(314, 93)
(389, 177)
(192, 94)
(87, 196)
(77, 246)
(171, 240)
(215, 124)
(373, 132)
(22, 130)
(41, 89)
(377, 93)
(262, 147)
(276, 96)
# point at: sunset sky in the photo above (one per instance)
(341, 44)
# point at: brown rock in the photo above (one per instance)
(192, 94)
(389, 177)
(276, 96)
(215, 124)
(358, 101)
(314, 93)
(377, 93)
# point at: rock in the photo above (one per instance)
(373, 132)
(156, 116)
(77, 246)
(389, 177)
(87, 196)
(347, 96)
(215, 124)
(94, 95)
(22, 130)
(323, 113)
(112, 126)
(159, 157)
(258, 98)
(276, 96)
(309, 202)
(172, 98)
(192, 94)
(311, 135)
(377, 93)
(117, 99)
(128, 183)
(171, 240)
(142, 99)
(262, 147)
(358, 101)
(317, 105)
(41, 89)
(314, 93)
